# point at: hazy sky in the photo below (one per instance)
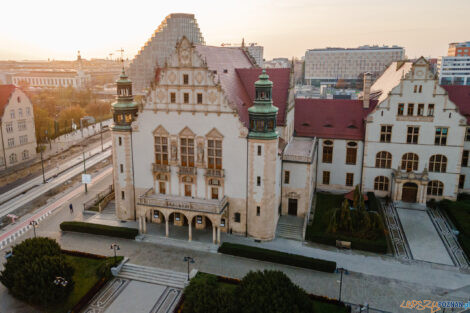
(56, 29)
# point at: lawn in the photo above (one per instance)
(459, 213)
(317, 232)
(85, 277)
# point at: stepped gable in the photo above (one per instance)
(224, 61)
(281, 82)
(331, 118)
(5, 93)
(460, 96)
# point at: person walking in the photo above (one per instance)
(71, 208)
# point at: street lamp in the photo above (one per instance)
(341, 270)
(189, 260)
(34, 224)
(60, 281)
(115, 246)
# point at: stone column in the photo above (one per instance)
(144, 223)
(218, 235)
(190, 234)
(140, 226)
(167, 228)
(213, 234)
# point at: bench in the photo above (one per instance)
(343, 244)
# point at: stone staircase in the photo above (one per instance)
(153, 275)
(290, 227)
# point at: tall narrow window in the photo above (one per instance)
(351, 153)
(120, 140)
(187, 152)
(121, 166)
(441, 136)
(349, 179)
(326, 178)
(214, 154)
(467, 134)
(186, 97)
(421, 109)
(411, 108)
(215, 193)
(258, 211)
(415, 88)
(412, 134)
(327, 151)
(162, 187)
(185, 79)
(465, 158)
(236, 217)
(123, 196)
(259, 150)
(199, 98)
(461, 181)
(172, 97)
(161, 150)
(420, 88)
(258, 181)
(386, 133)
(286, 177)
(401, 109)
(430, 109)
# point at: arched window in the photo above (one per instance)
(383, 159)
(13, 158)
(435, 188)
(381, 183)
(438, 163)
(409, 162)
(327, 151)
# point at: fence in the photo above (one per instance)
(102, 195)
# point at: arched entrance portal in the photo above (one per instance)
(409, 192)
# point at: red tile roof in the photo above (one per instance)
(460, 95)
(237, 75)
(5, 93)
(331, 118)
(281, 81)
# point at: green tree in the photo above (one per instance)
(203, 295)
(271, 292)
(341, 219)
(30, 273)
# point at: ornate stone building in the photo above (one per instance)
(215, 144)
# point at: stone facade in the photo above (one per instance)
(18, 134)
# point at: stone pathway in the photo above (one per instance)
(397, 235)
(423, 238)
(448, 238)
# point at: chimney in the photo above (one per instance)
(366, 90)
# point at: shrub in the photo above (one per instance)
(271, 291)
(203, 295)
(459, 214)
(277, 257)
(30, 273)
(98, 229)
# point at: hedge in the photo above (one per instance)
(98, 229)
(459, 214)
(377, 246)
(373, 202)
(277, 257)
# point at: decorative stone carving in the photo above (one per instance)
(161, 96)
(174, 150)
(200, 152)
(198, 77)
(212, 97)
(172, 77)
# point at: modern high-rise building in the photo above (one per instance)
(332, 64)
(162, 43)
(459, 49)
(454, 70)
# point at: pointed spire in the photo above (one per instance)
(243, 42)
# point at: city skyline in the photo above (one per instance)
(95, 28)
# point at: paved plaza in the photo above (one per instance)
(423, 238)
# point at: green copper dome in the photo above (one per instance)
(124, 108)
(263, 113)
